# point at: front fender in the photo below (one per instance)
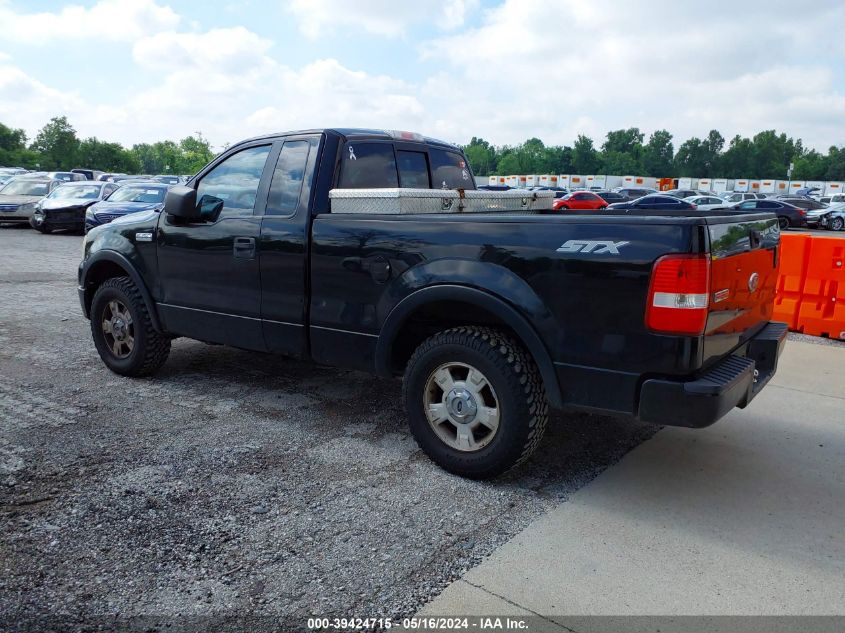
(101, 256)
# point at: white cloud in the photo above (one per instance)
(114, 20)
(535, 67)
(388, 18)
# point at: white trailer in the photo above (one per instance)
(831, 188)
(754, 186)
(613, 181)
(511, 181)
(576, 182)
(563, 181)
(795, 185)
(548, 180)
(646, 182)
(781, 186)
(687, 183)
(767, 186)
(741, 185)
(722, 185)
(705, 184)
(595, 181)
(532, 181)
(816, 184)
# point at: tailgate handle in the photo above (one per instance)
(755, 238)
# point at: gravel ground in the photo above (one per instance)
(232, 484)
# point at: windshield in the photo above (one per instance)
(25, 188)
(138, 194)
(87, 192)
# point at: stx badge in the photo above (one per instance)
(590, 246)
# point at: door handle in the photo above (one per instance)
(244, 248)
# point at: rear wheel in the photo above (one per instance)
(783, 222)
(123, 331)
(837, 224)
(43, 228)
(475, 401)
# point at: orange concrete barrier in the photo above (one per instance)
(822, 307)
(793, 259)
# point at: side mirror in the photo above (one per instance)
(181, 202)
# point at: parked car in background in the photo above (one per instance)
(560, 192)
(788, 214)
(732, 197)
(611, 196)
(658, 202)
(168, 179)
(579, 201)
(685, 193)
(109, 177)
(130, 198)
(19, 196)
(90, 174)
(66, 176)
(130, 177)
(707, 203)
(806, 192)
(65, 207)
(834, 217)
(835, 198)
(804, 203)
(633, 193)
(493, 188)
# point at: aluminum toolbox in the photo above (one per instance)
(414, 201)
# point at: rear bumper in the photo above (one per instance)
(733, 382)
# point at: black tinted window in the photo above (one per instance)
(449, 169)
(368, 165)
(413, 170)
(230, 189)
(765, 204)
(287, 178)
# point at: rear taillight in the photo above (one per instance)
(693, 206)
(679, 294)
(802, 211)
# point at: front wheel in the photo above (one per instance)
(123, 331)
(475, 401)
(43, 228)
(783, 223)
(837, 224)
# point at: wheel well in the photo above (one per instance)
(434, 317)
(97, 275)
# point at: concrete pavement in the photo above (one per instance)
(746, 517)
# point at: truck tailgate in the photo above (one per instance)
(744, 262)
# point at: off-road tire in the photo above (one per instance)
(150, 348)
(518, 386)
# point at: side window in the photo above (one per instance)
(413, 170)
(368, 165)
(288, 177)
(449, 170)
(748, 205)
(229, 190)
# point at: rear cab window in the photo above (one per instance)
(382, 164)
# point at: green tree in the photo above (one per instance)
(658, 154)
(196, 154)
(13, 151)
(585, 158)
(57, 144)
(107, 156)
(738, 159)
(481, 156)
(835, 164)
(811, 166)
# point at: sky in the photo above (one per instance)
(505, 70)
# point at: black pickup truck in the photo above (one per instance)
(490, 317)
